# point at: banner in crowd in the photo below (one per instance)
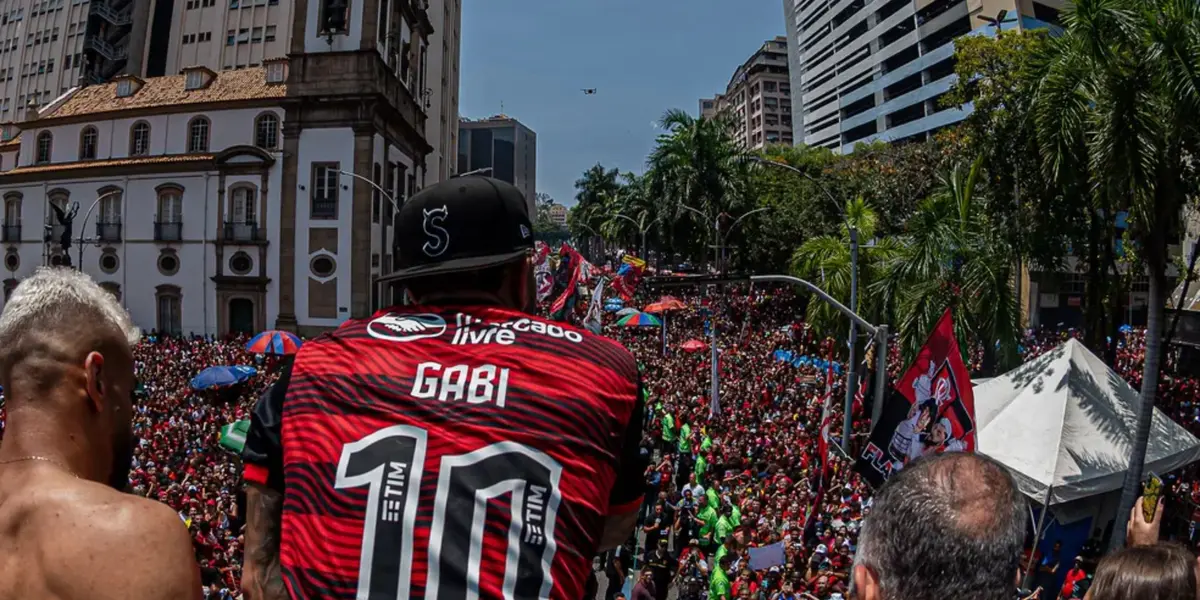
(790, 357)
(566, 282)
(629, 275)
(929, 411)
(592, 322)
(545, 278)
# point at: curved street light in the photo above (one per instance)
(82, 225)
(641, 228)
(851, 373)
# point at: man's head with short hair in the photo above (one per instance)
(66, 365)
(947, 526)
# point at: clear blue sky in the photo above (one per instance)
(643, 57)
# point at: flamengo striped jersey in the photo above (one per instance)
(449, 453)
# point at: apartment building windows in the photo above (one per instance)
(270, 33)
(333, 16)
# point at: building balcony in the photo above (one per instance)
(168, 232)
(108, 232)
(243, 231)
(105, 49)
(11, 232)
(116, 16)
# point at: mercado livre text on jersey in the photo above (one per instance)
(449, 453)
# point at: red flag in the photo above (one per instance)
(939, 375)
(930, 410)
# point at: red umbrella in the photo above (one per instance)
(665, 305)
(693, 346)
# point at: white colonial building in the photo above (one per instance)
(236, 201)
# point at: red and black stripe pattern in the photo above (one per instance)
(448, 453)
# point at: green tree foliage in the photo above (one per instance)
(1115, 104)
(953, 255)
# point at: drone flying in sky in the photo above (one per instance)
(589, 91)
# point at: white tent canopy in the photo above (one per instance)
(1066, 420)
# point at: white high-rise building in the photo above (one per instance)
(865, 71)
(50, 46)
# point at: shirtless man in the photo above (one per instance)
(67, 532)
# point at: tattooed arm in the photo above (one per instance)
(261, 578)
(263, 472)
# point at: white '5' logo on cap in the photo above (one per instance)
(439, 238)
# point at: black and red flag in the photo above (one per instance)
(930, 410)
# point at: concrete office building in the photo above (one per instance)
(50, 46)
(504, 145)
(758, 98)
(441, 128)
(218, 34)
(866, 71)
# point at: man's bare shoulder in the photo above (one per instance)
(98, 541)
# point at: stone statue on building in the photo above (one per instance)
(67, 220)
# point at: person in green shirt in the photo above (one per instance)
(705, 443)
(723, 526)
(713, 499)
(685, 438)
(719, 587)
(708, 520)
(668, 429)
(701, 466)
(735, 515)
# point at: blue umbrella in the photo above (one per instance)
(215, 377)
(1126, 328)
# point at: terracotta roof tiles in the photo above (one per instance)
(227, 86)
(118, 162)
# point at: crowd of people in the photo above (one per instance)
(736, 503)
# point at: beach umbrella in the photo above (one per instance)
(217, 377)
(625, 312)
(274, 342)
(693, 346)
(640, 320)
(664, 306)
(233, 436)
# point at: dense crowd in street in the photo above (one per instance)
(717, 487)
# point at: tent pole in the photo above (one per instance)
(1037, 537)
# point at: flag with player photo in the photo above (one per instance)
(930, 410)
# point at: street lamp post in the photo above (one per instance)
(729, 230)
(378, 286)
(642, 228)
(483, 171)
(82, 240)
(851, 373)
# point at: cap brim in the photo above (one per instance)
(458, 265)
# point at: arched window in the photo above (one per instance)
(139, 139)
(266, 131)
(168, 227)
(45, 142)
(12, 209)
(243, 223)
(108, 224)
(12, 218)
(89, 140)
(169, 300)
(198, 135)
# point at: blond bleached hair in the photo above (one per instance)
(53, 295)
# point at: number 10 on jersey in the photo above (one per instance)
(390, 463)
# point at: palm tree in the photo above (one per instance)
(695, 163)
(953, 255)
(593, 191)
(825, 260)
(1119, 92)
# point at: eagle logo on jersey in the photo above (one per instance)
(439, 238)
(406, 328)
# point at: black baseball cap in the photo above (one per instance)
(461, 224)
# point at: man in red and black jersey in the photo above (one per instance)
(457, 448)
